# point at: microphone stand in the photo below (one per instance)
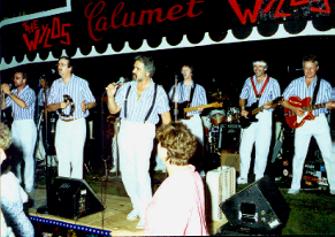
(175, 110)
(44, 209)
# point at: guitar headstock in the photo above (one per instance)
(278, 100)
(217, 104)
(330, 104)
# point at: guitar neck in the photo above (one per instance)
(313, 107)
(190, 109)
(257, 110)
(275, 103)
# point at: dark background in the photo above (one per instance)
(224, 67)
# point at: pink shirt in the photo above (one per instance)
(178, 206)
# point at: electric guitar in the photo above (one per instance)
(295, 121)
(183, 108)
(253, 110)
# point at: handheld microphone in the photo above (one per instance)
(118, 84)
(120, 81)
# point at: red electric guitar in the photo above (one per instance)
(295, 121)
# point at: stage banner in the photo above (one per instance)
(86, 23)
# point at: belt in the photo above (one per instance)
(66, 119)
(187, 117)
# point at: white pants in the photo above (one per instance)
(258, 133)
(196, 127)
(318, 128)
(24, 134)
(69, 142)
(135, 144)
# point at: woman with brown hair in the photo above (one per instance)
(178, 206)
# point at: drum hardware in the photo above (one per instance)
(217, 116)
(53, 124)
(233, 114)
(222, 129)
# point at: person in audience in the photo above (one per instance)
(12, 196)
(178, 206)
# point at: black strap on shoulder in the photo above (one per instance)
(316, 90)
(125, 101)
(191, 95)
(152, 105)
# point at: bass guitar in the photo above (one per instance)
(253, 110)
(295, 121)
(183, 108)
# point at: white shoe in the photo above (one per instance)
(133, 215)
(241, 180)
(293, 191)
(113, 170)
(140, 224)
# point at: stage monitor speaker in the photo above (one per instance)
(72, 198)
(259, 206)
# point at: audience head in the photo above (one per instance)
(176, 143)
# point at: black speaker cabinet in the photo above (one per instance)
(72, 198)
(259, 206)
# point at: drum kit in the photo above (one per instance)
(222, 129)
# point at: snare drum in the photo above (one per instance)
(217, 116)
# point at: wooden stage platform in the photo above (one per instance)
(113, 218)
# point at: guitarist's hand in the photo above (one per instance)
(244, 113)
(267, 105)
(298, 111)
(330, 105)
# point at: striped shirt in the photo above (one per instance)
(78, 89)
(299, 88)
(137, 108)
(29, 97)
(41, 97)
(333, 94)
(271, 91)
(183, 93)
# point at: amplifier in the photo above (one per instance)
(72, 198)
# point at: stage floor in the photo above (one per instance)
(113, 218)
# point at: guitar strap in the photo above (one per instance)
(316, 91)
(258, 95)
(125, 101)
(191, 95)
(151, 107)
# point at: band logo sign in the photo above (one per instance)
(279, 9)
(98, 20)
(38, 35)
